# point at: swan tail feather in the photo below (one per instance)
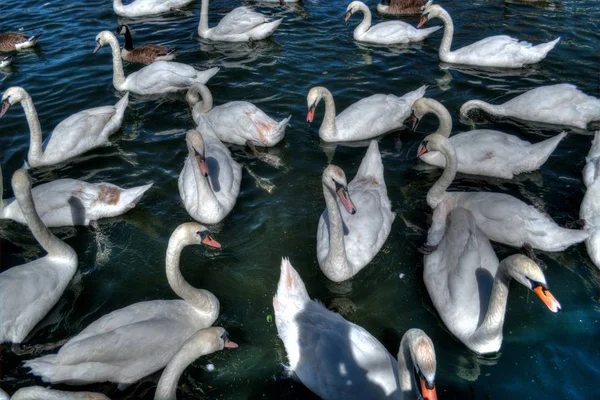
(204, 76)
(541, 50)
(281, 125)
(291, 292)
(44, 367)
(130, 197)
(371, 165)
(540, 151)
(428, 31)
(265, 30)
(116, 120)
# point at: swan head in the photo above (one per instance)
(419, 109)
(215, 338)
(423, 358)
(193, 233)
(429, 11)
(529, 274)
(312, 99)
(195, 145)
(103, 38)
(21, 181)
(351, 9)
(433, 142)
(334, 179)
(12, 96)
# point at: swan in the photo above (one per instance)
(348, 241)
(42, 393)
(11, 41)
(145, 54)
(240, 25)
(128, 344)
(201, 343)
(389, 32)
(590, 205)
(562, 104)
(158, 77)
(484, 151)
(237, 121)
(29, 291)
(501, 217)
(400, 7)
(367, 118)
(142, 8)
(69, 202)
(73, 136)
(337, 359)
(469, 288)
(209, 182)
(494, 51)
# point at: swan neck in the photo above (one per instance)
(482, 105)
(448, 34)
(203, 300)
(118, 74)
(118, 6)
(366, 22)
(491, 326)
(405, 366)
(437, 193)
(328, 127)
(444, 118)
(336, 264)
(204, 102)
(203, 24)
(35, 130)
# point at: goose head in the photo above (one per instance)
(195, 145)
(433, 142)
(103, 38)
(194, 233)
(10, 97)
(312, 99)
(122, 30)
(529, 274)
(429, 11)
(334, 179)
(351, 9)
(422, 353)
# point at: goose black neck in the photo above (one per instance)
(128, 40)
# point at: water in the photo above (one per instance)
(544, 355)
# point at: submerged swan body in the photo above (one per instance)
(562, 104)
(501, 217)
(367, 118)
(142, 8)
(494, 51)
(237, 121)
(156, 78)
(73, 136)
(469, 288)
(42, 393)
(128, 344)
(590, 205)
(483, 151)
(337, 359)
(348, 240)
(240, 25)
(209, 182)
(29, 291)
(389, 32)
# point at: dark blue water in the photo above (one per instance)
(544, 355)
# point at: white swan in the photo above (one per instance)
(209, 182)
(562, 104)
(494, 51)
(367, 118)
(240, 25)
(42, 393)
(69, 202)
(502, 217)
(201, 343)
(73, 136)
(158, 77)
(237, 121)
(29, 291)
(590, 205)
(128, 344)
(142, 8)
(347, 241)
(337, 359)
(484, 151)
(389, 32)
(469, 288)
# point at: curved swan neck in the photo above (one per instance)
(366, 22)
(479, 104)
(205, 190)
(328, 125)
(203, 24)
(202, 103)
(444, 118)
(35, 130)
(437, 193)
(405, 365)
(448, 34)
(118, 6)
(202, 300)
(118, 74)
(336, 264)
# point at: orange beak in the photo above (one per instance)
(348, 15)
(310, 115)
(547, 298)
(5, 107)
(422, 150)
(97, 48)
(428, 394)
(422, 22)
(209, 241)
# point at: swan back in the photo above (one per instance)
(371, 164)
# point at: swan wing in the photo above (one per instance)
(161, 76)
(239, 21)
(238, 121)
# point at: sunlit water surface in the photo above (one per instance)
(544, 355)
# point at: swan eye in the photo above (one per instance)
(225, 336)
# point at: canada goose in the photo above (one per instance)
(11, 41)
(145, 54)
